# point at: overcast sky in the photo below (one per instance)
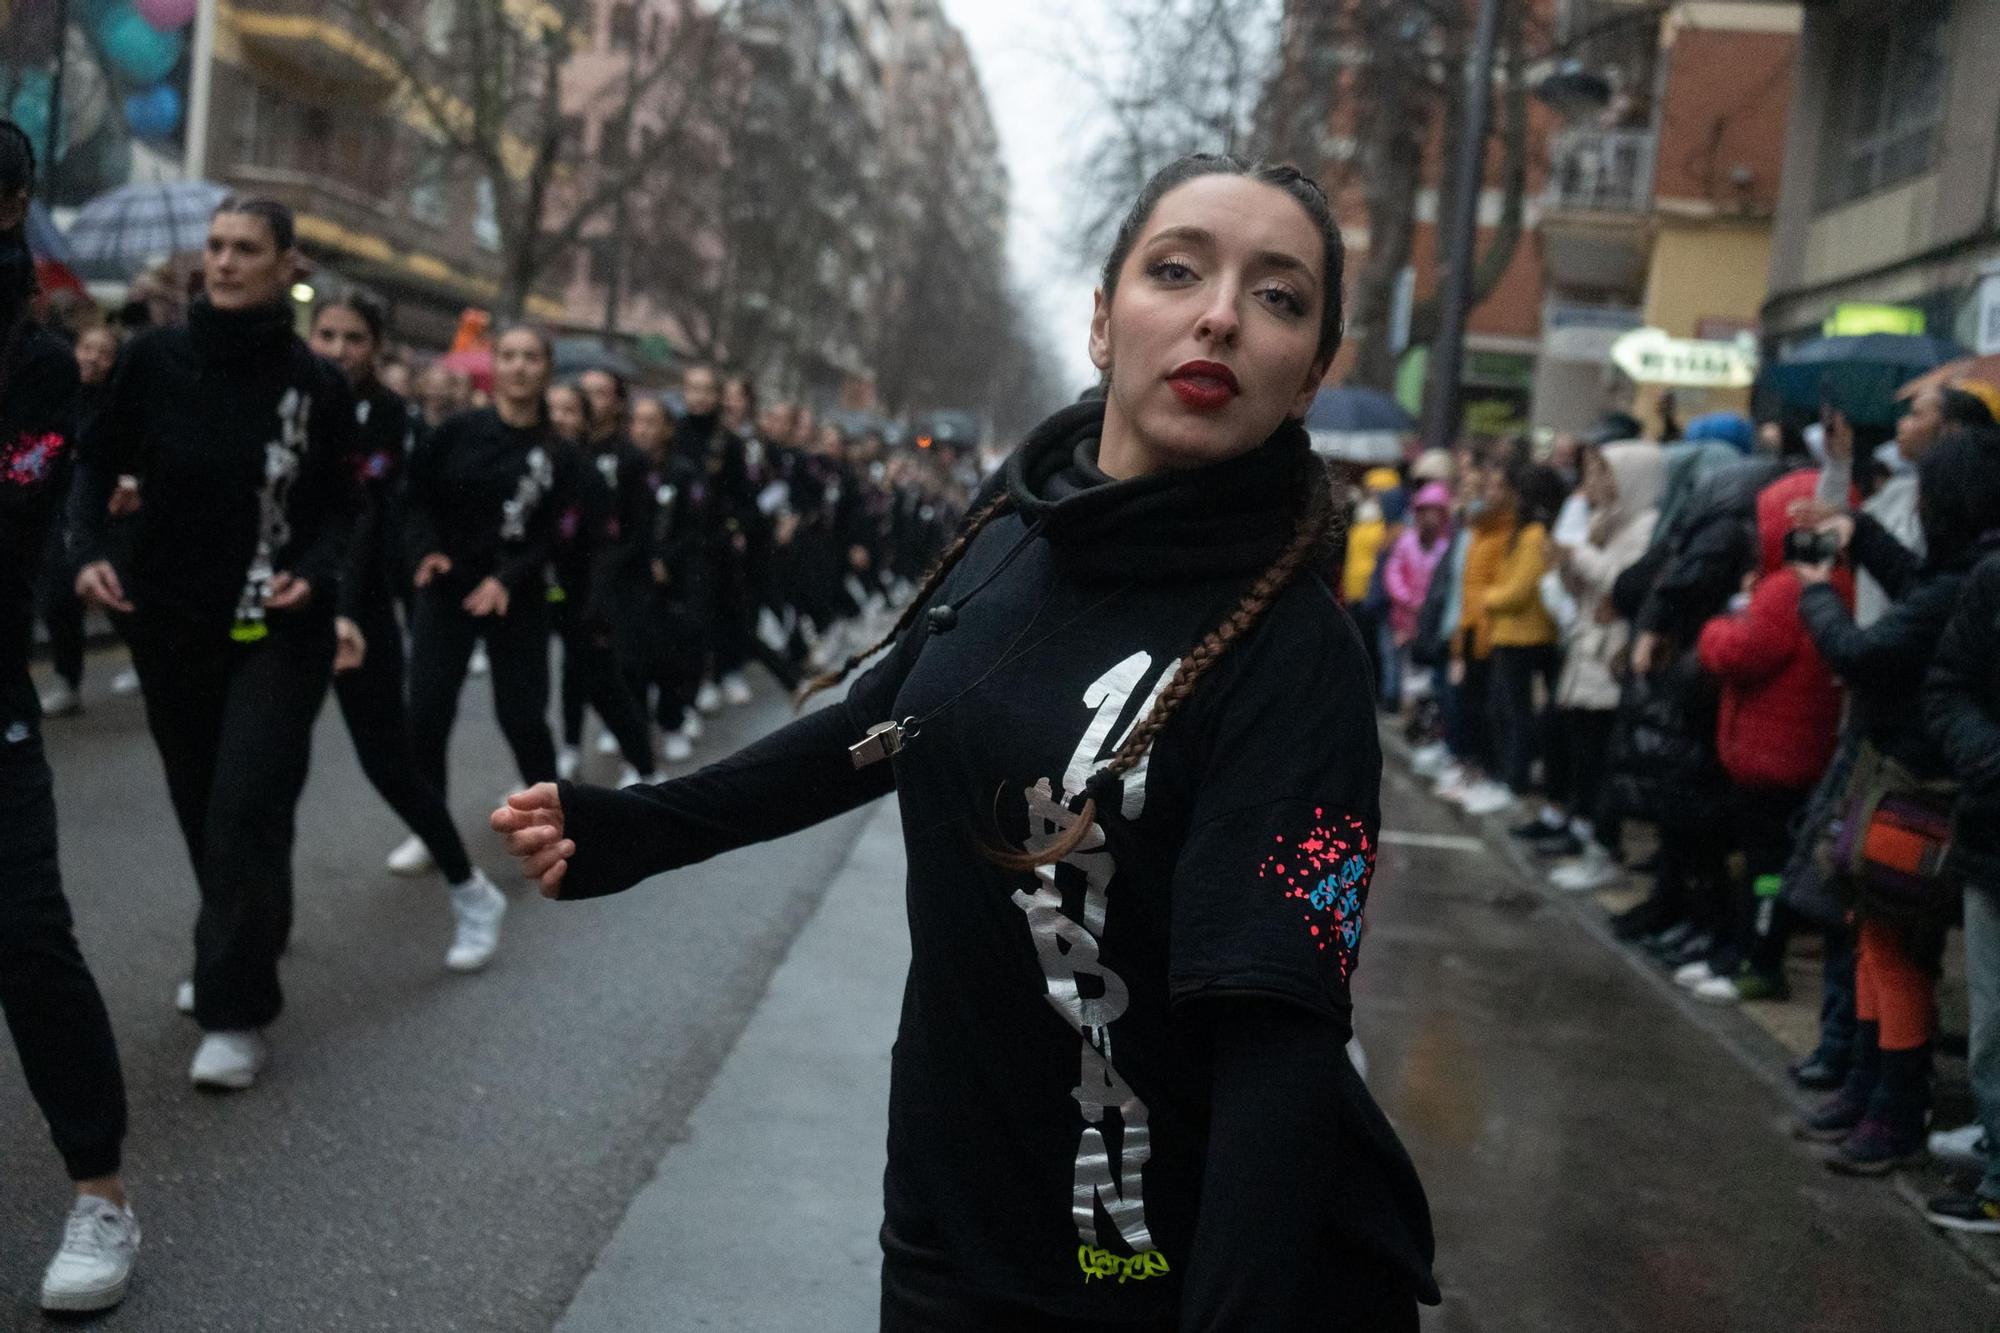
(1040, 114)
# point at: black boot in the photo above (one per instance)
(1836, 1117)
(1892, 1133)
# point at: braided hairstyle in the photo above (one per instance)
(1315, 530)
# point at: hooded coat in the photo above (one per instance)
(1617, 541)
(1779, 713)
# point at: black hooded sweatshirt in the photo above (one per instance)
(489, 496)
(240, 437)
(1118, 1093)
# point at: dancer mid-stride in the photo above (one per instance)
(1132, 737)
(243, 445)
(347, 330)
(53, 1009)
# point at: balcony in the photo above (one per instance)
(1595, 209)
(327, 45)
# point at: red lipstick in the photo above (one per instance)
(1204, 386)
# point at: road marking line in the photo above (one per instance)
(1443, 842)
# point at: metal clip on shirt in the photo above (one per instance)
(884, 740)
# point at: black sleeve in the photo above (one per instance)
(110, 448)
(794, 778)
(1270, 886)
(1959, 701)
(1893, 652)
(1886, 560)
(422, 534)
(329, 495)
(1698, 583)
(1311, 1214)
(40, 416)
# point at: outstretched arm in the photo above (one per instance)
(585, 842)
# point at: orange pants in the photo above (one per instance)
(1891, 990)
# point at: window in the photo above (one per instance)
(427, 189)
(486, 216)
(624, 26)
(1888, 96)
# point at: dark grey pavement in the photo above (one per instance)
(580, 1136)
(427, 1152)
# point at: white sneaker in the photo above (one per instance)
(1428, 761)
(1594, 870)
(477, 907)
(692, 726)
(479, 663)
(1689, 975)
(184, 997)
(632, 777)
(1717, 990)
(708, 699)
(91, 1270)
(1451, 783)
(411, 858)
(735, 689)
(59, 700)
(678, 747)
(607, 744)
(568, 761)
(230, 1060)
(1964, 1146)
(1487, 798)
(125, 684)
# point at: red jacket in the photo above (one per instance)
(1780, 708)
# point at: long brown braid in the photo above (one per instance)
(946, 562)
(1316, 527)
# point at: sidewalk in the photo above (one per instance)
(765, 1218)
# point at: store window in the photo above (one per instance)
(486, 216)
(1887, 101)
(428, 203)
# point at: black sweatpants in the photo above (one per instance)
(61, 612)
(53, 1008)
(591, 675)
(1520, 728)
(371, 701)
(517, 645)
(1588, 734)
(233, 723)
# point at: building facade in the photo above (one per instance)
(1892, 171)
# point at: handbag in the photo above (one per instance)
(1894, 839)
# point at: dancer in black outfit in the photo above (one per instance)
(605, 490)
(54, 1012)
(243, 444)
(1132, 735)
(667, 633)
(368, 664)
(479, 519)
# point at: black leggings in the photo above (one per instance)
(53, 1008)
(517, 645)
(1588, 733)
(371, 701)
(591, 675)
(1764, 818)
(1513, 699)
(62, 612)
(233, 723)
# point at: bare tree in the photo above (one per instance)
(486, 78)
(1189, 77)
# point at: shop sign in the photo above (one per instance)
(1653, 356)
(1853, 320)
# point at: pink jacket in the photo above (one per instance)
(1407, 578)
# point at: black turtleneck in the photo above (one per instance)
(200, 413)
(1149, 1039)
(384, 432)
(489, 496)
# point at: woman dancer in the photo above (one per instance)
(1133, 739)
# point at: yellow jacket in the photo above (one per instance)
(1364, 546)
(1515, 616)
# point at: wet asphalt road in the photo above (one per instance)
(439, 1153)
(427, 1151)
